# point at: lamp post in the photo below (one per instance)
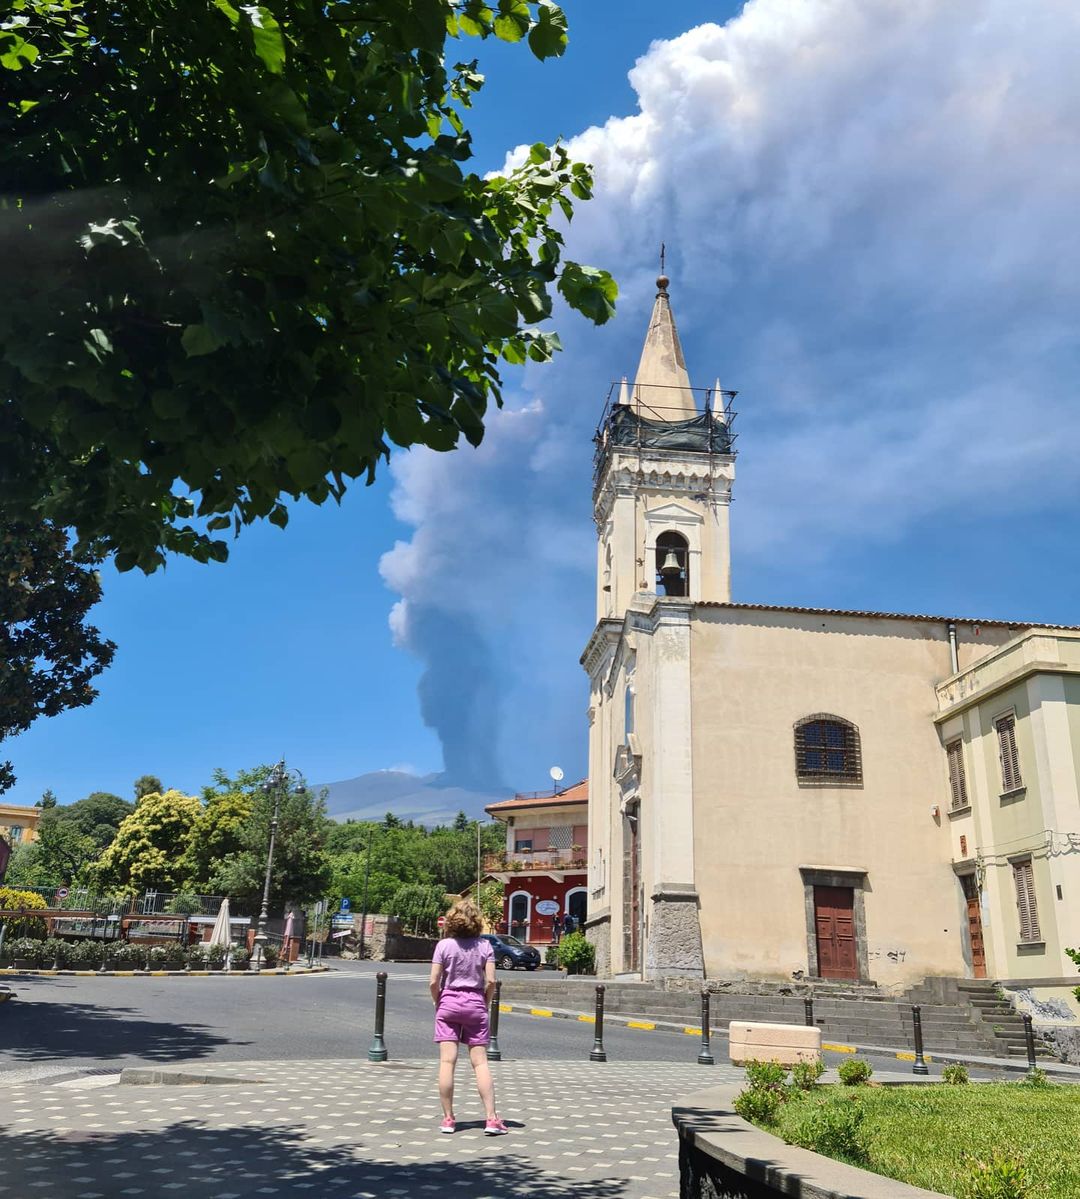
(274, 785)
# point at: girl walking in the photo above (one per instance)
(462, 984)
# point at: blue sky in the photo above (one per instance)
(869, 209)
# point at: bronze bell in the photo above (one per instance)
(671, 567)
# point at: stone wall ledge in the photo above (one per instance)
(722, 1156)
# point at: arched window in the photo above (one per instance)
(673, 564)
(827, 751)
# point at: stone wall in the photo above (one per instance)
(385, 940)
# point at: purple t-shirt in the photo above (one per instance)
(462, 960)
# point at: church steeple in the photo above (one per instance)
(665, 465)
(662, 385)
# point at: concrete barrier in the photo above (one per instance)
(754, 1041)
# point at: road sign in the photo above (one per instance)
(547, 907)
(320, 907)
(345, 904)
(441, 922)
(62, 892)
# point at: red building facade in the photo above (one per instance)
(543, 865)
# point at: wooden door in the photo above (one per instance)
(974, 924)
(834, 919)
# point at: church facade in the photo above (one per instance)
(780, 793)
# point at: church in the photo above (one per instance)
(783, 792)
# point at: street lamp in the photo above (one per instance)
(274, 785)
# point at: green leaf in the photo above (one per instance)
(548, 37)
(591, 291)
(198, 340)
(269, 43)
(513, 21)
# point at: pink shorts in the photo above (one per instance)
(462, 1016)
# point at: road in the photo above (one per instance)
(56, 1026)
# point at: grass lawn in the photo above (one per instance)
(919, 1134)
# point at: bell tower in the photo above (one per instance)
(665, 465)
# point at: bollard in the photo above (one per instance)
(808, 1011)
(705, 1057)
(494, 1053)
(377, 1052)
(1029, 1043)
(920, 1066)
(597, 1054)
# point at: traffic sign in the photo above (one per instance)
(320, 907)
(62, 892)
(441, 922)
(345, 904)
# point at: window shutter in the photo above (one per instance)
(1024, 878)
(1010, 760)
(957, 781)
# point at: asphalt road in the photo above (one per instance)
(55, 1026)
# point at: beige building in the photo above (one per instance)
(18, 824)
(789, 792)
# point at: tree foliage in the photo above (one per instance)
(147, 784)
(72, 837)
(250, 255)
(301, 868)
(216, 834)
(48, 653)
(150, 843)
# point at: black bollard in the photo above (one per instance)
(705, 1057)
(1029, 1042)
(377, 1052)
(808, 1011)
(494, 1053)
(920, 1066)
(597, 1054)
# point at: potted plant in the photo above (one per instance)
(25, 953)
(156, 957)
(175, 957)
(215, 957)
(270, 956)
(54, 952)
(196, 957)
(576, 954)
(128, 956)
(239, 958)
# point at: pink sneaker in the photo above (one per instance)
(448, 1125)
(495, 1128)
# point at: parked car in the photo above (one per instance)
(511, 953)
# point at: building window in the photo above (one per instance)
(523, 846)
(1026, 907)
(15, 834)
(673, 564)
(827, 751)
(1009, 758)
(957, 779)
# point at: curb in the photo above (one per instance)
(11, 972)
(144, 1076)
(942, 1057)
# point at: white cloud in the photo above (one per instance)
(870, 211)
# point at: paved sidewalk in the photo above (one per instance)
(351, 1131)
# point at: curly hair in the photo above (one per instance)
(464, 920)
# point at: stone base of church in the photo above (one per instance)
(598, 934)
(673, 946)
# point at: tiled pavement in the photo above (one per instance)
(350, 1130)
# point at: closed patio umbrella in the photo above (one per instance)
(222, 934)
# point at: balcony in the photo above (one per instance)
(536, 861)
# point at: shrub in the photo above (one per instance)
(759, 1105)
(86, 955)
(576, 954)
(1002, 1177)
(551, 956)
(766, 1076)
(239, 955)
(26, 948)
(955, 1075)
(196, 957)
(215, 956)
(855, 1072)
(156, 957)
(184, 903)
(23, 926)
(55, 949)
(833, 1129)
(805, 1075)
(1036, 1077)
(129, 956)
